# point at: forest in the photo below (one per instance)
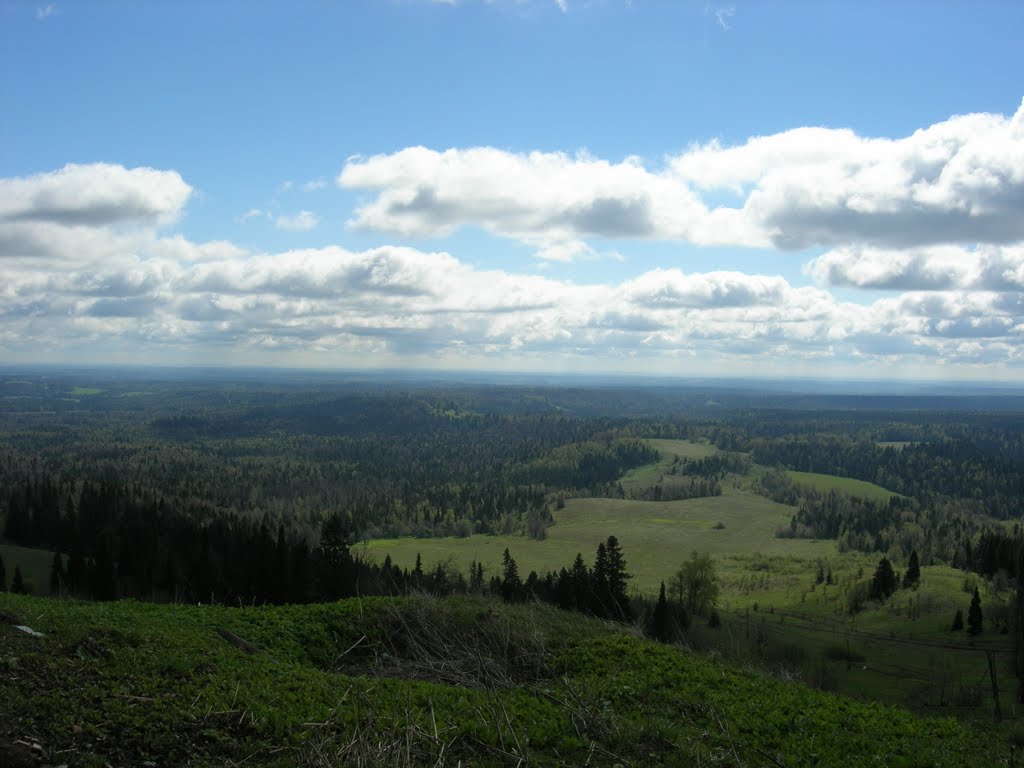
(241, 491)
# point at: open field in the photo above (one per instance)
(826, 483)
(34, 563)
(641, 478)
(655, 536)
(80, 391)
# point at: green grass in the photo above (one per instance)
(420, 682)
(826, 483)
(642, 478)
(656, 536)
(34, 563)
(684, 449)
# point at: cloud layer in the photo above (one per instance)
(960, 180)
(91, 264)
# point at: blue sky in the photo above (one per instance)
(806, 188)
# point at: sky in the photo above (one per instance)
(804, 188)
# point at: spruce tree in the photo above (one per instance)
(511, 585)
(579, 581)
(958, 621)
(974, 618)
(599, 598)
(660, 627)
(17, 583)
(104, 583)
(913, 571)
(3, 575)
(56, 574)
(616, 579)
(884, 581)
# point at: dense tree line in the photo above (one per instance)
(393, 465)
(966, 470)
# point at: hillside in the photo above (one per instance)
(416, 681)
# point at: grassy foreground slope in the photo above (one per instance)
(417, 682)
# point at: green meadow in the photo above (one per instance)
(773, 612)
(655, 536)
(34, 564)
(83, 391)
(826, 483)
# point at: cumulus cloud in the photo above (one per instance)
(961, 180)
(987, 268)
(94, 195)
(958, 181)
(84, 272)
(303, 221)
(539, 196)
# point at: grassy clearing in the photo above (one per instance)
(419, 682)
(34, 563)
(648, 476)
(82, 391)
(684, 449)
(655, 536)
(826, 483)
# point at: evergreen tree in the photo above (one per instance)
(616, 579)
(974, 618)
(958, 621)
(3, 575)
(280, 589)
(104, 585)
(579, 584)
(884, 582)
(820, 578)
(56, 574)
(511, 585)
(78, 573)
(598, 597)
(337, 571)
(17, 583)
(913, 571)
(660, 625)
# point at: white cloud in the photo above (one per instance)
(961, 180)
(986, 267)
(723, 16)
(549, 197)
(87, 267)
(44, 12)
(563, 5)
(314, 184)
(303, 221)
(94, 195)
